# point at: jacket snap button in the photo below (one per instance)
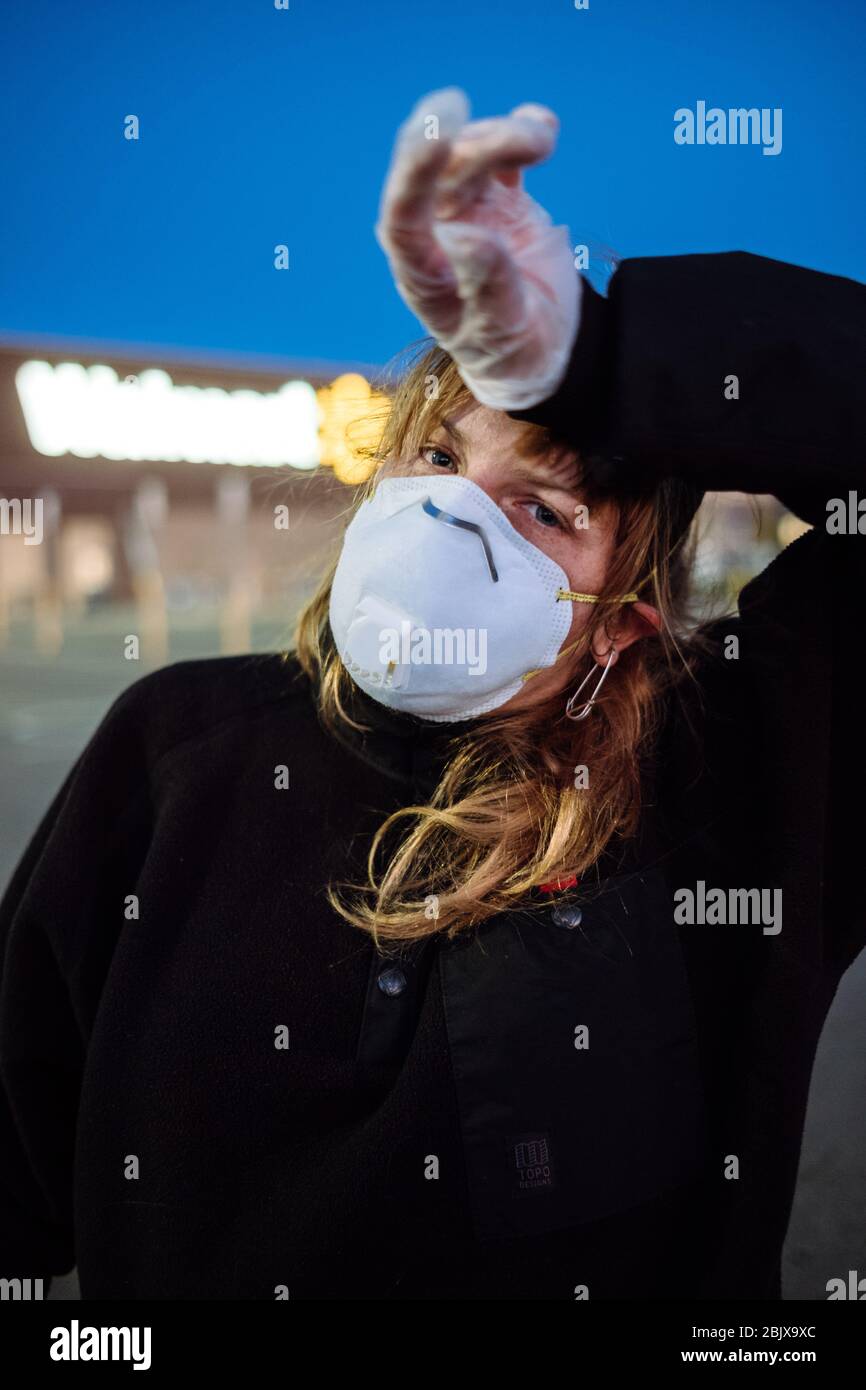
(392, 981)
(567, 915)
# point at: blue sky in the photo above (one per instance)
(261, 126)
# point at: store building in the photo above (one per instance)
(130, 472)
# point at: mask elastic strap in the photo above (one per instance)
(593, 598)
(579, 598)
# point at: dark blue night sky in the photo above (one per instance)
(262, 126)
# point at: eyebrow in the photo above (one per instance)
(572, 482)
(456, 434)
(531, 473)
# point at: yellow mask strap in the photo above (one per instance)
(581, 598)
(593, 598)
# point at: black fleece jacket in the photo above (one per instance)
(212, 1087)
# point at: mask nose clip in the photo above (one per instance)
(438, 515)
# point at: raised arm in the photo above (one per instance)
(734, 371)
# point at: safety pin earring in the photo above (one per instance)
(586, 708)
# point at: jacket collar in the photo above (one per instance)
(409, 750)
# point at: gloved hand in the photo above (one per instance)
(473, 256)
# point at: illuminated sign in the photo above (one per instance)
(92, 413)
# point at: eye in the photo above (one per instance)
(546, 517)
(434, 449)
(542, 515)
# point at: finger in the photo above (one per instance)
(503, 144)
(403, 229)
(421, 270)
(488, 281)
(446, 203)
(422, 148)
(473, 131)
(513, 178)
(537, 112)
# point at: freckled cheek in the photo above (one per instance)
(586, 575)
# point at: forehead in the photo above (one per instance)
(484, 432)
(478, 423)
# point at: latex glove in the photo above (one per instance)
(473, 255)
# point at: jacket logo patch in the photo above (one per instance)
(531, 1164)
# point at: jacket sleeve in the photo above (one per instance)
(736, 372)
(59, 918)
(732, 372)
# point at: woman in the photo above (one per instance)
(480, 947)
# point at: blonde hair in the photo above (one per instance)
(506, 816)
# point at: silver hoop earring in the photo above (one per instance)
(586, 708)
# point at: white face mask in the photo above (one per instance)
(439, 607)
